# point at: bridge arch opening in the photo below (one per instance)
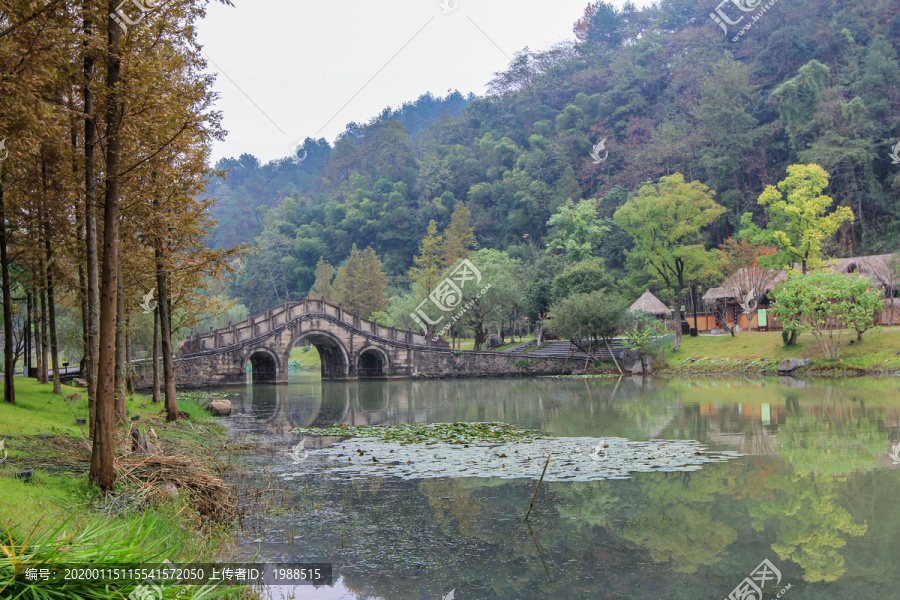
(371, 363)
(332, 355)
(264, 366)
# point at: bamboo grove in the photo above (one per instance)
(106, 125)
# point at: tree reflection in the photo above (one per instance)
(676, 521)
(811, 523)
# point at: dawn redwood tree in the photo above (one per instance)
(102, 460)
(458, 237)
(360, 284)
(9, 389)
(322, 286)
(427, 272)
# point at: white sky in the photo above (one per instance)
(291, 69)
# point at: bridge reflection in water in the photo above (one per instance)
(633, 407)
(820, 468)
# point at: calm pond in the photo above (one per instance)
(815, 491)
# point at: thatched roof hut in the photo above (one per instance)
(876, 267)
(649, 303)
(761, 281)
(717, 293)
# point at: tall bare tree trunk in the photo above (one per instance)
(120, 342)
(38, 365)
(45, 349)
(155, 354)
(51, 307)
(9, 359)
(79, 241)
(29, 346)
(165, 328)
(90, 220)
(129, 378)
(102, 460)
(679, 300)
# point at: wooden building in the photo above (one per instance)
(743, 299)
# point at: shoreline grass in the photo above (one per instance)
(761, 352)
(156, 512)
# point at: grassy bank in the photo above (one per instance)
(171, 505)
(747, 353)
(755, 352)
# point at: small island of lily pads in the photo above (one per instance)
(434, 450)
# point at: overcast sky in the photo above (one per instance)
(291, 69)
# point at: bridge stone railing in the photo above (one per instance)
(274, 318)
(219, 356)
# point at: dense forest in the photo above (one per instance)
(661, 85)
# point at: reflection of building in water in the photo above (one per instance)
(835, 421)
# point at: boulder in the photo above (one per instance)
(637, 368)
(219, 407)
(628, 358)
(79, 382)
(494, 341)
(648, 365)
(791, 364)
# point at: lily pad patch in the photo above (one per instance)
(572, 459)
(430, 433)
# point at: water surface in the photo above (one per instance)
(816, 492)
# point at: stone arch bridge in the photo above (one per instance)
(350, 348)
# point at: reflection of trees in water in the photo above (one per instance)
(811, 522)
(456, 507)
(409, 539)
(834, 436)
(421, 539)
(757, 440)
(588, 504)
(675, 520)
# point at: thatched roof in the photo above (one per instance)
(727, 289)
(876, 267)
(649, 303)
(716, 293)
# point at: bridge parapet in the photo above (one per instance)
(350, 347)
(268, 321)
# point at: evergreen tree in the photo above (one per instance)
(322, 288)
(458, 237)
(427, 272)
(666, 222)
(360, 284)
